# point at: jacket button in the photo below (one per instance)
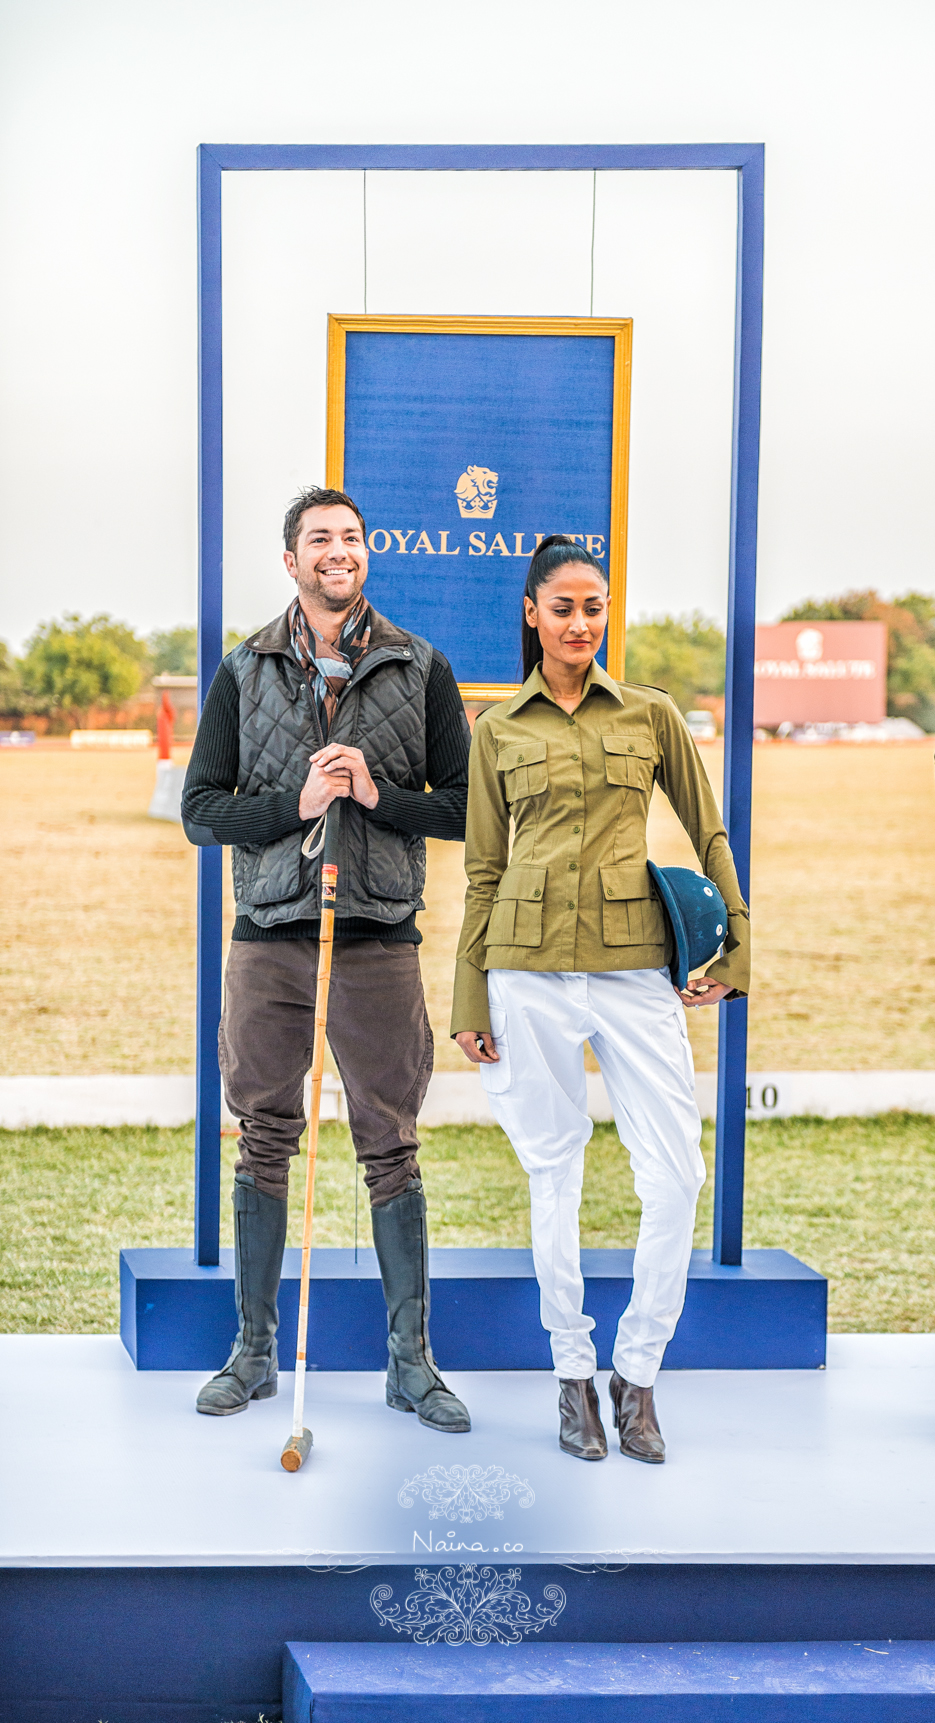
(571, 903)
(610, 891)
(574, 756)
(577, 792)
(630, 748)
(576, 828)
(520, 758)
(537, 892)
(572, 867)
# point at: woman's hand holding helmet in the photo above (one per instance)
(701, 991)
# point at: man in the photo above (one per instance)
(330, 701)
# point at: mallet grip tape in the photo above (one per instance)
(329, 883)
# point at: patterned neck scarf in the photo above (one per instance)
(327, 668)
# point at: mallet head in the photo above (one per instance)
(296, 1451)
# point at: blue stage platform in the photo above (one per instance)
(768, 1314)
(583, 1683)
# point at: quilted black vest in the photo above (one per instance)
(382, 712)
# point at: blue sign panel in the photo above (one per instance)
(463, 450)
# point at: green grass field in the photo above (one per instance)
(855, 1198)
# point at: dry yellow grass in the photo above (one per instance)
(842, 899)
(844, 904)
(97, 957)
(97, 946)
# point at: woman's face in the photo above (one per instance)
(570, 613)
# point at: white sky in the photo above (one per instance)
(102, 105)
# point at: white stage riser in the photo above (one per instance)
(113, 1466)
(454, 1098)
(157, 1563)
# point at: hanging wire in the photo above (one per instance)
(365, 269)
(356, 1161)
(593, 227)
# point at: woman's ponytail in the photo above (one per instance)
(547, 558)
(531, 644)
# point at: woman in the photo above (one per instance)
(564, 941)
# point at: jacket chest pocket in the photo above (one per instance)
(525, 769)
(631, 914)
(629, 760)
(516, 916)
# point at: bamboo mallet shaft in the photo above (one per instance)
(300, 1442)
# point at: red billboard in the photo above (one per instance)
(819, 673)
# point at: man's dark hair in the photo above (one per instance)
(314, 498)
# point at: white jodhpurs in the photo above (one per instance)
(635, 1023)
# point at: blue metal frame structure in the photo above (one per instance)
(747, 161)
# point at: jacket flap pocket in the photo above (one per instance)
(521, 754)
(525, 884)
(623, 881)
(641, 747)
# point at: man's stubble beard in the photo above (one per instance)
(320, 598)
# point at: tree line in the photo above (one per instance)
(73, 664)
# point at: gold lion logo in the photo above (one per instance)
(476, 491)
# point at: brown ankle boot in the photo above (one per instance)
(582, 1433)
(635, 1419)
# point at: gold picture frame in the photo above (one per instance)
(340, 325)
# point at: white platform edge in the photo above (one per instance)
(454, 1098)
(587, 1562)
(853, 1355)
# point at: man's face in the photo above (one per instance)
(330, 562)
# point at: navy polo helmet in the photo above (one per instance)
(697, 915)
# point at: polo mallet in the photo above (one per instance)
(297, 1448)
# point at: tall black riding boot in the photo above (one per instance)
(413, 1384)
(251, 1371)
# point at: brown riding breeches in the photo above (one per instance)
(379, 1034)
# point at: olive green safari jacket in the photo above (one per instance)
(575, 894)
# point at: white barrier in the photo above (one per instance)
(459, 1099)
(112, 739)
(830, 1094)
(62, 1101)
(454, 1098)
(167, 796)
